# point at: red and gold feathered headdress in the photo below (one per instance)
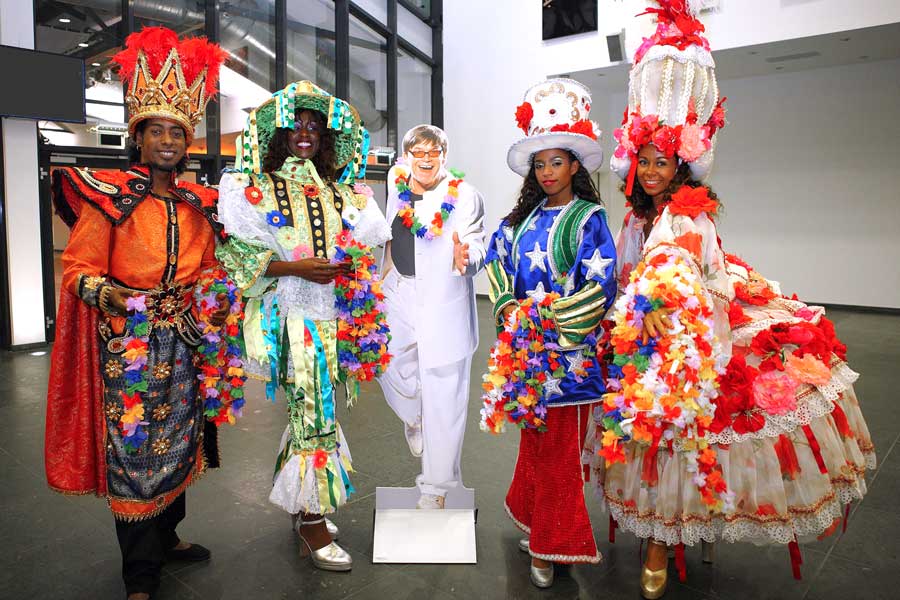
(168, 78)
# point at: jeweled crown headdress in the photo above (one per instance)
(168, 78)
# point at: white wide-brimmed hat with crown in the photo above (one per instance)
(555, 115)
(673, 96)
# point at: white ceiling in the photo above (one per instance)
(834, 49)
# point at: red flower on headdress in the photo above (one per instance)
(666, 139)
(584, 127)
(642, 130)
(717, 118)
(524, 114)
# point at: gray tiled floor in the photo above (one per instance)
(65, 547)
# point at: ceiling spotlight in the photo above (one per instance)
(64, 20)
(846, 39)
(95, 64)
(83, 45)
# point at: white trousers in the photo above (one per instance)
(438, 396)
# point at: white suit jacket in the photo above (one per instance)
(445, 318)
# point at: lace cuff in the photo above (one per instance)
(246, 264)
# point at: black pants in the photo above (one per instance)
(144, 545)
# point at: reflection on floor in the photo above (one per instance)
(65, 547)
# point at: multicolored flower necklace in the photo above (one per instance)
(363, 333)
(521, 365)
(137, 341)
(664, 391)
(221, 373)
(407, 213)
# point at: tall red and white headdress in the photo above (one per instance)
(673, 95)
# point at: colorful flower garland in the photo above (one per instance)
(407, 213)
(524, 357)
(137, 342)
(663, 392)
(221, 368)
(363, 333)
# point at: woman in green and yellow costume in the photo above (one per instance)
(283, 211)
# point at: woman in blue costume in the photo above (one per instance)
(555, 241)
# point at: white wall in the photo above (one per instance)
(738, 23)
(807, 170)
(805, 167)
(20, 167)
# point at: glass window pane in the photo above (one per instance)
(376, 8)
(414, 30)
(422, 6)
(310, 42)
(247, 33)
(89, 30)
(414, 99)
(368, 79)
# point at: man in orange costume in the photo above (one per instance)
(123, 425)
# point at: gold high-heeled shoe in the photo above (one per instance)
(328, 558)
(653, 583)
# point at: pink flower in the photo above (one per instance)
(773, 392)
(363, 189)
(694, 142)
(808, 369)
(302, 251)
(625, 146)
(805, 313)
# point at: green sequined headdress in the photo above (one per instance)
(351, 144)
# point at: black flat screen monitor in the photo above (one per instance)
(568, 17)
(41, 86)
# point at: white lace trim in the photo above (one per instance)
(733, 528)
(817, 402)
(296, 495)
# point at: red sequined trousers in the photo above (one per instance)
(546, 496)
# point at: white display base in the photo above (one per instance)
(404, 534)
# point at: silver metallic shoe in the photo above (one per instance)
(524, 545)
(333, 530)
(542, 578)
(328, 558)
(707, 552)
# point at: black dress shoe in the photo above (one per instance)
(193, 553)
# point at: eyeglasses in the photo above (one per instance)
(312, 126)
(424, 153)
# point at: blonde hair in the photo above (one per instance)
(425, 133)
